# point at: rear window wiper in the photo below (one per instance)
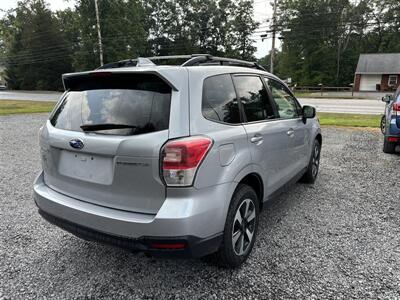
(105, 126)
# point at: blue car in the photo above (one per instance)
(390, 123)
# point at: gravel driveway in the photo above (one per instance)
(337, 239)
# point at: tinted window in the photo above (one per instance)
(285, 103)
(254, 98)
(144, 107)
(219, 100)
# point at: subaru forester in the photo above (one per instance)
(174, 160)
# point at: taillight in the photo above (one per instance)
(396, 109)
(181, 158)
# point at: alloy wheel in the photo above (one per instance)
(244, 227)
(315, 160)
(383, 125)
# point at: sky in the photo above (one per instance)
(262, 13)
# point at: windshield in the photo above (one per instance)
(129, 112)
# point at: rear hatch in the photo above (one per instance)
(102, 142)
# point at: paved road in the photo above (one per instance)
(33, 96)
(361, 106)
(349, 106)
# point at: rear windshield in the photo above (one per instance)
(131, 105)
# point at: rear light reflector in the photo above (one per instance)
(181, 159)
(176, 246)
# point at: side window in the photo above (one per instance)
(219, 100)
(287, 106)
(254, 98)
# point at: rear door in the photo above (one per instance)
(102, 143)
(267, 137)
(289, 112)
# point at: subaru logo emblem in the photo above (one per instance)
(76, 144)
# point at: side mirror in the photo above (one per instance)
(309, 112)
(387, 98)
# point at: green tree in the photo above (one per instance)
(38, 53)
(38, 45)
(323, 39)
(201, 26)
(123, 29)
(243, 26)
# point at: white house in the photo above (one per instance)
(377, 72)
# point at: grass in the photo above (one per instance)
(349, 120)
(10, 107)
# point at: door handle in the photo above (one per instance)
(256, 139)
(290, 132)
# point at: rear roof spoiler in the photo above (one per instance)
(70, 80)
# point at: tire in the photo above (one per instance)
(389, 147)
(383, 124)
(313, 166)
(236, 245)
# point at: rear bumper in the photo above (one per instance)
(394, 128)
(194, 217)
(182, 247)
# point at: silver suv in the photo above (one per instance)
(174, 160)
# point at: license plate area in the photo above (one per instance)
(86, 167)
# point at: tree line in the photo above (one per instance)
(38, 45)
(322, 39)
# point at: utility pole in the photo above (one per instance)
(273, 37)
(99, 32)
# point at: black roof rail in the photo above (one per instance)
(119, 64)
(192, 60)
(134, 62)
(212, 60)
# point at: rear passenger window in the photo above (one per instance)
(286, 105)
(254, 98)
(219, 100)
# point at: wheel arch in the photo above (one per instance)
(319, 138)
(255, 181)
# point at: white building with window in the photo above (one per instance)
(377, 72)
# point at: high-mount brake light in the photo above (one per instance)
(181, 159)
(100, 74)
